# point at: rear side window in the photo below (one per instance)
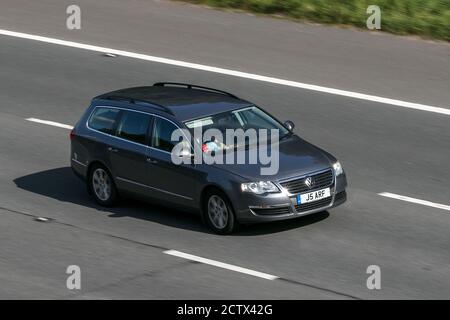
(133, 126)
(162, 134)
(104, 119)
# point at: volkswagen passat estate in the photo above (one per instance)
(123, 145)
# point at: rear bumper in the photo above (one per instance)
(79, 169)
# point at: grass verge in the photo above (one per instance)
(427, 18)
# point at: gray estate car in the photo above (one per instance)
(122, 145)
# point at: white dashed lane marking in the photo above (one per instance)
(414, 200)
(51, 123)
(220, 264)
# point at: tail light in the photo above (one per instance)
(72, 134)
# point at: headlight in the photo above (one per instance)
(259, 187)
(337, 168)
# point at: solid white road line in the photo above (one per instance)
(51, 123)
(413, 200)
(229, 72)
(220, 264)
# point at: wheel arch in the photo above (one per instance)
(89, 169)
(207, 189)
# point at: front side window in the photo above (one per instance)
(250, 118)
(104, 119)
(162, 134)
(133, 126)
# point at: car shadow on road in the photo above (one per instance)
(61, 184)
(280, 226)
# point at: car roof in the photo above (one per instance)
(184, 103)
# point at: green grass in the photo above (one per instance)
(428, 18)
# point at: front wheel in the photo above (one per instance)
(101, 186)
(218, 213)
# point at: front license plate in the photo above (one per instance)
(313, 196)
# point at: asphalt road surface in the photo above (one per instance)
(121, 251)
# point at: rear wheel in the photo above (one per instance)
(218, 213)
(101, 185)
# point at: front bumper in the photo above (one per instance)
(279, 206)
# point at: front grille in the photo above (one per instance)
(271, 211)
(313, 205)
(321, 180)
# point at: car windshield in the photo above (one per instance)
(250, 120)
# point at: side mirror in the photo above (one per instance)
(289, 125)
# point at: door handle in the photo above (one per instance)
(150, 160)
(111, 149)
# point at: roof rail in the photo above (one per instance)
(136, 101)
(193, 86)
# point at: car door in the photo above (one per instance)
(128, 152)
(174, 183)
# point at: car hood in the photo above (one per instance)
(296, 157)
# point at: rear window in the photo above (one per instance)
(103, 119)
(133, 126)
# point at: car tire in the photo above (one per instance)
(218, 213)
(101, 185)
